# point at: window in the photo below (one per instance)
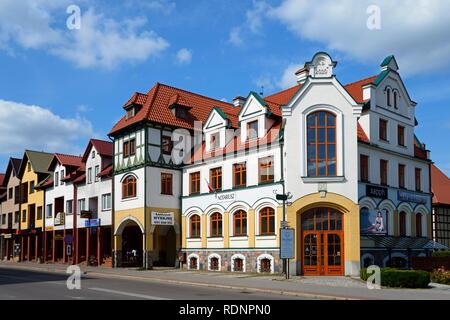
(214, 141)
(267, 221)
(388, 97)
(383, 172)
(106, 201)
(238, 265)
(216, 225)
(418, 173)
(16, 194)
(69, 206)
(240, 223)
(56, 179)
(166, 183)
(49, 211)
(266, 170)
(29, 166)
(61, 177)
(216, 178)
(39, 213)
(89, 175)
(93, 154)
(81, 205)
(383, 130)
(321, 144)
(364, 167)
(214, 264)
(194, 224)
(252, 130)
(193, 263)
(419, 225)
(402, 223)
(31, 187)
(265, 265)
(24, 215)
(16, 217)
(129, 148)
(239, 175)
(401, 176)
(194, 183)
(97, 171)
(10, 193)
(130, 113)
(166, 145)
(129, 187)
(395, 100)
(401, 136)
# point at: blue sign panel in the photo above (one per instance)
(92, 222)
(287, 238)
(411, 197)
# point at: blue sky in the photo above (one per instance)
(58, 87)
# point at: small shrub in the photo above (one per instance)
(441, 276)
(396, 278)
(441, 254)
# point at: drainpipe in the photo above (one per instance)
(145, 258)
(113, 251)
(75, 226)
(283, 184)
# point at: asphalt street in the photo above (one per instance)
(32, 285)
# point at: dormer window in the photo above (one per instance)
(130, 113)
(252, 130)
(181, 113)
(215, 141)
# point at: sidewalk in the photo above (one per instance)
(310, 287)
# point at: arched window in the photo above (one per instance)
(388, 97)
(216, 225)
(402, 223)
(395, 100)
(265, 265)
(193, 263)
(321, 140)
(238, 265)
(418, 224)
(194, 224)
(240, 223)
(266, 221)
(129, 187)
(214, 263)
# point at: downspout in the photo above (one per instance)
(113, 251)
(145, 199)
(283, 184)
(75, 224)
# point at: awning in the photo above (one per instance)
(402, 243)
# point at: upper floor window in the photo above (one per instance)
(383, 130)
(69, 206)
(56, 179)
(130, 113)
(419, 225)
(321, 144)
(388, 97)
(89, 175)
(401, 136)
(194, 226)
(267, 221)
(96, 172)
(252, 130)
(401, 176)
(129, 148)
(418, 173)
(61, 177)
(31, 187)
(49, 211)
(216, 178)
(216, 225)
(194, 183)
(383, 172)
(395, 99)
(10, 193)
(266, 171)
(129, 187)
(166, 145)
(39, 213)
(29, 166)
(166, 183)
(215, 141)
(364, 167)
(93, 154)
(240, 223)
(239, 175)
(106, 201)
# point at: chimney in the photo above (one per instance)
(302, 74)
(239, 101)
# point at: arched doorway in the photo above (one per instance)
(132, 245)
(164, 241)
(322, 242)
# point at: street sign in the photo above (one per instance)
(281, 197)
(68, 239)
(287, 238)
(69, 250)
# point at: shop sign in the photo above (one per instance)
(225, 197)
(162, 218)
(287, 243)
(59, 219)
(68, 239)
(411, 197)
(59, 237)
(92, 223)
(376, 192)
(7, 236)
(85, 214)
(49, 228)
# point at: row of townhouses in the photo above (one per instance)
(192, 181)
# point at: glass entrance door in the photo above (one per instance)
(322, 242)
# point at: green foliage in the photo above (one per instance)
(396, 278)
(441, 253)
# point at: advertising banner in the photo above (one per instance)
(373, 221)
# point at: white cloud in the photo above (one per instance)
(288, 79)
(34, 127)
(100, 42)
(235, 37)
(184, 56)
(164, 6)
(415, 31)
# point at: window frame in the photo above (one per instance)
(401, 176)
(401, 135)
(216, 225)
(268, 214)
(105, 197)
(166, 144)
(265, 167)
(364, 167)
(240, 173)
(402, 225)
(195, 224)
(195, 175)
(166, 183)
(249, 127)
(384, 171)
(126, 184)
(240, 217)
(215, 178)
(418, 179)
(383, 130)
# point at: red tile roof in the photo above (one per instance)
(106, 172)
(355, 89)
(440, 186)
(137, 98)
(104, 148)
(80, 179)
(2, 177)
(419, 152)
(283, 97)
(362, 136)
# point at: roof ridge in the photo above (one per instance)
(361, 80)
(67, 155)
(101, 140)
(152, 99)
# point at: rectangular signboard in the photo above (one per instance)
(162, 218)
(287, 238)
(376, 192)
(411, 197)
(92, 223)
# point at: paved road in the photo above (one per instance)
(27, 284)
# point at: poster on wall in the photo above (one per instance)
(373, 221)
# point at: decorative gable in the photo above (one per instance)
(253, 106)
(216, 119)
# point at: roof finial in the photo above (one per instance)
(261, 93)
